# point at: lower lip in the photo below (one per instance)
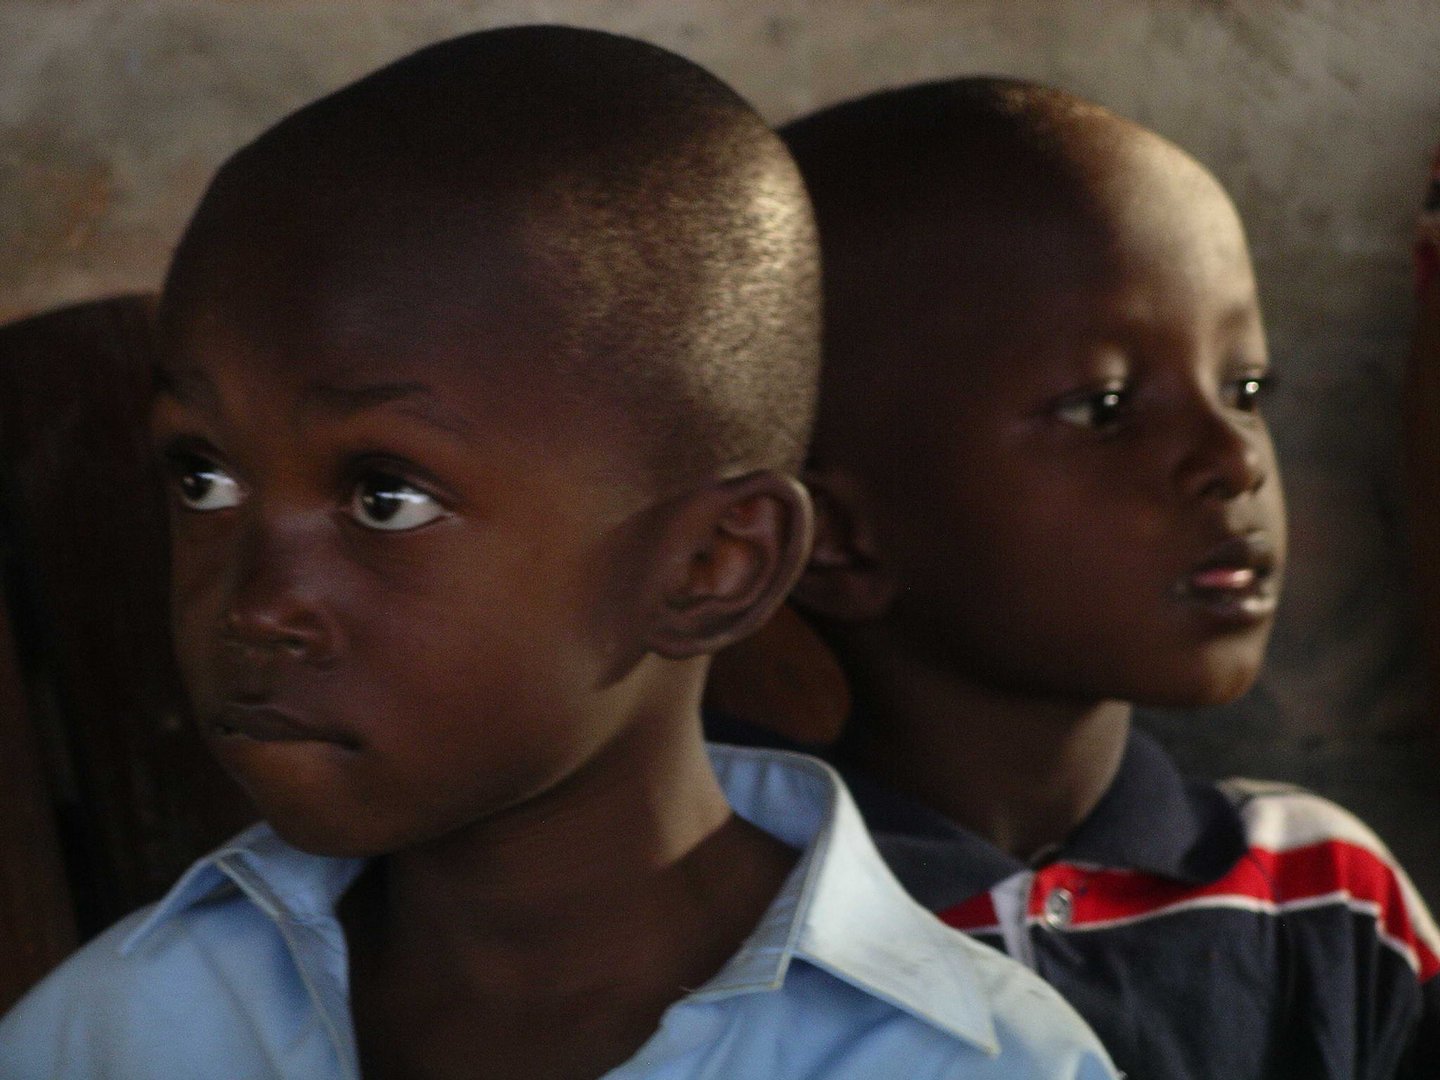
(264, 725)
(1233, 597)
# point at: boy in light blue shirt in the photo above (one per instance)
(484, 385)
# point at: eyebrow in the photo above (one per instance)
(185, 385)
(416, 399)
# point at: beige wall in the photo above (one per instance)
(1318, 114)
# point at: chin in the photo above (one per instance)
(329, 826)
(1202, 674)
(1203, 688)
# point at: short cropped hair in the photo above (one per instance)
(665, 223)
(933, 182)
(890, 156)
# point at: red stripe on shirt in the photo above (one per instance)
(973, 915)
(1314, 871)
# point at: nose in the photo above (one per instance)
(1226, 456)
(276, 605)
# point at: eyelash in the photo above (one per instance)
(1105, 409)
(185, 460)
(1253, 390)
(367, 469)
(1100, 409)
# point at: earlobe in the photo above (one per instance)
(736, 548)
(847, 577)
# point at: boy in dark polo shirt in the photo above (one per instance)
(1047, 493)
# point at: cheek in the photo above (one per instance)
(462, 639)
(199, 563)
(460, 721)
(1274, 508)
(1040, 576)
(1043, 537)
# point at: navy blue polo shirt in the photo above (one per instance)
(1218, 931)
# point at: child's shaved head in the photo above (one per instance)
(621, 216)
(993, 191)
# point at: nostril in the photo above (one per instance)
(254, 652)
(247, 629)
(1224, 461)
(1250, 470)
(276, 602)
(1231, 484)
(260, 638)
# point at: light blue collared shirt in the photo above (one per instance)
(239, 973)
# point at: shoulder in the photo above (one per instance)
(62, 1022)
(873, 978)
(97, 968)
(1312, 853)
(139, 1001)
(827, 1024)
(1036, 1030)
(1283, 816)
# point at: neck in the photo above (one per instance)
(1021, 770)
(633, 870)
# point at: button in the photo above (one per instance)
(1059, 906)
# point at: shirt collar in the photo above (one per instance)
(1156, 821)
(840, 909)
(285, 883)
(1151, 820)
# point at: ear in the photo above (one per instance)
(848, 577)
(733, 550)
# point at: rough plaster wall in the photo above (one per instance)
(1317, 114)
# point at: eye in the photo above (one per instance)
(1097, 410)
(199, 483)
(388, 503)
(1247, 393)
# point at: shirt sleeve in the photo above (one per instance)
(1361, 951)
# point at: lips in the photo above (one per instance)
(1235, 582)
(265, 723)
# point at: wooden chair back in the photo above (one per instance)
(37, 918)
(136, 797)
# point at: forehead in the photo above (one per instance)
(423, 286)
(1169, 221)
(379, 321)
(369, 262)
(1155, 248)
